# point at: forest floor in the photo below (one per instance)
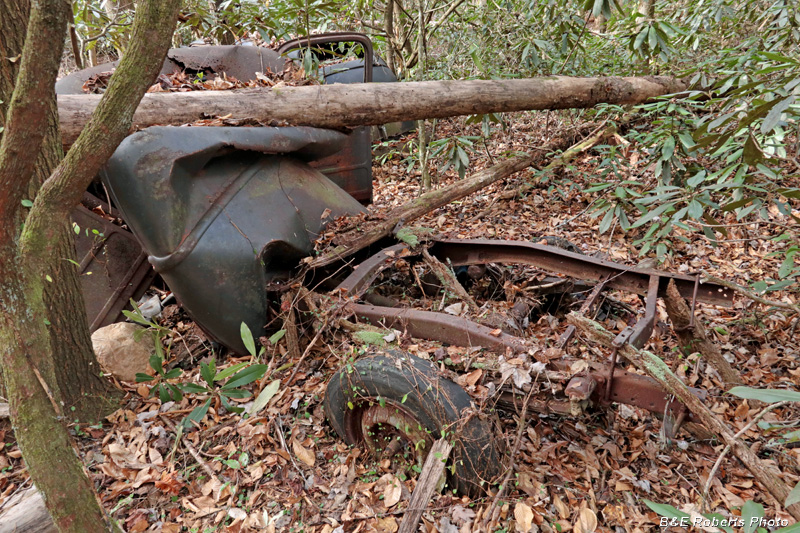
(285, 469)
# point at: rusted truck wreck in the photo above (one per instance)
(223, 213)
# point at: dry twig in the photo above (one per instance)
(795, 308)
(449, 281)
(429, 478)
(727, 449)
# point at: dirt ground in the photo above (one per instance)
(285, 469)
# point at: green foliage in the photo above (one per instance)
(412, 236)
(225, 384)
(751, 512)
(717, 157)
(102, 26)
(766, 395)
(720, 155)
(454, 152)
(264, 397)
(751, 515)
(247, 339)
(226, 22)
(370, 337)
(794, 496)
(161, 387)
(665, 510)
(234, 377)
(277, 336)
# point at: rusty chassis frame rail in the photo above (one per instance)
(604, 383)
(556, 260)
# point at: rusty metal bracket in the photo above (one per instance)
(585, 308)
(365, 273)
(640, 391)
(636, 336)
(113, 268)
(605, 383)
(644, 327)
(694, 300)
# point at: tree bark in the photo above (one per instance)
(344, 106)
(13, 25)
(107, 126)
(25, 254)
(449, 282)
(412, 60)
(428, 480)
(388, 26)
(647, 9)
(27, 363)
(422, 205)
(84, 393)
(26, 117)
(695, 339)
(654, 367)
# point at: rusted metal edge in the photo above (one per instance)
(609, 384)
(439, 326)
(626, 387)
(482, 251)
(113, 268)
(644, 327)
(640, 391)
(335, 37)
(638, 335)
(549, 406)
(585, 308)
(365, 273)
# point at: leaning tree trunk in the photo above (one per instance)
(25, 334)
(362, 237)
(27, 363)
(85, 394)
(364, 104)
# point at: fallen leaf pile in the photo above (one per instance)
(182, 81)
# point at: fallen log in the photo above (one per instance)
(449, 281)
(654, 367)
(366, 104)
(421, 205)
(429, 201)
(25, 512)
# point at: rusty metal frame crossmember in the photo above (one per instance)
(602, 385)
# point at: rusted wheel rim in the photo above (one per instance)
(390, 431)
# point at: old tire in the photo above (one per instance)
(400, 398)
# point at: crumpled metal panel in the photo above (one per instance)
(113, 267)
(351, 167)
(164, 175)
(224, 211)
(241, 62)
